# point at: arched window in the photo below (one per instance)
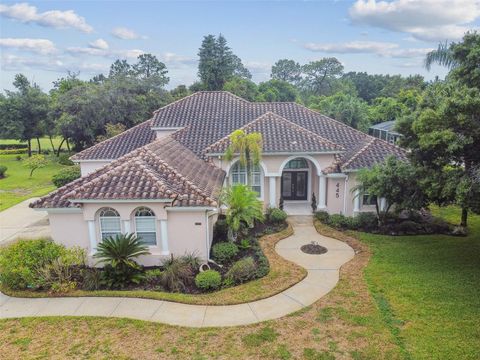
(109, 222)
(297, 164)
(239, 176)
(145, 225)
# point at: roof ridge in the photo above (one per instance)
(276, 117)
(175, 102)
(358, 153)
(106, 141)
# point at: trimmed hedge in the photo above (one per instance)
(242, 271)
(224, 252)
(66, 175)
(13, 146)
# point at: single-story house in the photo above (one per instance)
(162, 178)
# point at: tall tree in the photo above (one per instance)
(150, 69)
(277, 90)
(24, 112)
(287, 70)
(217, 63)
(319, 75)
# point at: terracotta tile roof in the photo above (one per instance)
(164, 169)
(119, 145)
(374, 152)
(280, 136)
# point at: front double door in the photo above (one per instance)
(294, 185)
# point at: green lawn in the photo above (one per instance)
(44, 143)
(428, 290)
(18, 186)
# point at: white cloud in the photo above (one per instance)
(125, 33)
(99, 44)
(11, 62)
(27, 13)
(92, 51)
(385, 49)
(40, 46)
(430, 20)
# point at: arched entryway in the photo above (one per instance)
(298, 183)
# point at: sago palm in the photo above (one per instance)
(119, 251)
(243, 208)
(249, 149)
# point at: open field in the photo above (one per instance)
(44, 143)
(18, 186)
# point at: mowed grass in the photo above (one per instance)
(18, 186)
(44, 143)
(428, 290)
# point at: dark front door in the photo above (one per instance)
(294, 185)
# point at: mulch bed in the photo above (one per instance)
(313, 249)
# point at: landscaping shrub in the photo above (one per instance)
(13, 151)
(408, 227)
(18, 158)
(63, 159)
(208, 280)
(92, 279)
(19, 262)
(13, 146)
(367, 221)
(119, 253)
(220, 230)
(177, 274)
(242, 271)
(322, 216)
(225, 251)
(277, 216)
(3, 170)
(66, 175)
(60, 275)
(338, 221)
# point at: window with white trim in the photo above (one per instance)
(239, 176)
(368, 200)
(109, 223)
(145, 226)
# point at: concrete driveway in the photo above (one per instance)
(20, 221)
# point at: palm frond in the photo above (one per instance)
(443, 56)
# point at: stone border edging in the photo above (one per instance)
(322, 276)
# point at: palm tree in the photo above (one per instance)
(119, 251)
(248, 147)
(243, 208)
(442, 56)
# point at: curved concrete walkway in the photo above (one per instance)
(323, 275)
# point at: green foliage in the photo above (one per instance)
(118, 253)
(277, 216)
(35, 162)
(339, 221)
(3, 171)
(111, 130)
(220, 230)
(244, 88)
(345, 108)
(66, 175)
(366, 221)
(322, 216)
(208, 280)
(242, 271)
(320, 75)
(287, 70)
(218, 64)
(92, 279)
(64, 159)
(243, 208)
(177, 274)
(20, 262)
(258, 338)
(394, 180)
(224, 252)
(277, 90)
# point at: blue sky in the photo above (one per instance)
(45, 39)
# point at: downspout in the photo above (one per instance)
(208, 213)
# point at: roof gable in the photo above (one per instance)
(279, 136)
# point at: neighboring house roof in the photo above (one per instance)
(375, 152)
(386, 126)
(117, 146)
(279, 136)
(162, 170)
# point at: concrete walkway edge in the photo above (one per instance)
(323, 275)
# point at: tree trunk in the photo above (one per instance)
(39, 147)
(29, 147)
(378, 212)
(51, 143)
(249, 168)
(68, 145)
(464, 217)
(60, 146)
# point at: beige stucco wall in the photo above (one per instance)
(69, 229)
(352, 182)
(87, 167)
(335, 195)
(187, 231)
